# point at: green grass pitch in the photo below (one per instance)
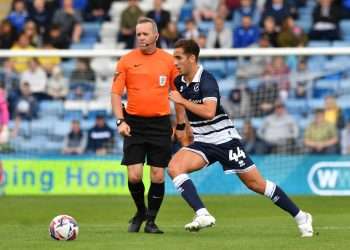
(243, 222)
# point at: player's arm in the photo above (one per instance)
(116, 100)
(207, 109)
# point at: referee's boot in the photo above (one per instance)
(136, 222)
(152, 228)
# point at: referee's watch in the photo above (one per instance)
(120, 121)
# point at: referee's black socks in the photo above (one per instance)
(155, 198)
(137, 191)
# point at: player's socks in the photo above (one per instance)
(188, 191)
(155, 198)
(276, 194)
(301, 217)
(137, 191)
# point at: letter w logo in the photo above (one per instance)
(327, 178)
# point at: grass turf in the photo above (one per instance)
(243, 222)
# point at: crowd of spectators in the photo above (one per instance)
(58, 24)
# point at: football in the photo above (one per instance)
(63, 227)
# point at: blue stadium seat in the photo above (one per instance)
(216, 67)
(324, 87)
(73, 115)
(319, 44)
(345, 28)
(81, 46)
(185, 12)
(51, 108)
(68, 66)
(205, 26)
(341, 43)
(297, 107)
(315, 103)
(91, 29)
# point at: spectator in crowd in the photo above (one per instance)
(248, 137)
(265, 96)
(325, 25)
(291, 35)
(219, 36)
(75, 141)
(321, 136)
(270, 30)
(36, 77)
(159, 15)
(100, 137)
(223, 12)
(300, 91)
(205, 10)
(40, 13)
(345, 7)
(20, 64)
(247, 8)
(169, 35)
(333, 113)
(237, 105)
(202, 40)
(345, 139)
(9, 78)
(7, 35)
(247, 34)
(191, 30)
(279, 73)
(97, 10)
(128, 22)
(231, 6)
(254, 67)
(278, 132)
(82, 72)
(83, 77)
(26, 107)
(50, 62)
(69, 21)
(18, 16)
(58, 39)
(4, 116)
(278, 9)
(57, 85)
(31, 32)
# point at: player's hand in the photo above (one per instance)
(176, 97)
(124, 129)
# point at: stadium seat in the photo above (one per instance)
(51, 108)
(325, 87)
(319, 44)
(315, 103)
(81, 46)
(296, 107)
(216, 67)
(185, 12)
(345, 28)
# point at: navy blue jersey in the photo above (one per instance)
(203, 87)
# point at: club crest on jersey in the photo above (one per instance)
(196, 87)
(162, 80)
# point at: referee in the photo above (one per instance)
(146, 73)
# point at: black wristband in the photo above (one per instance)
(120, 121)
(180, 126)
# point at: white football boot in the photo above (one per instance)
(199, 222)
(305, 228)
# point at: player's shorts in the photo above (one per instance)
(231, 155)
(150, 141)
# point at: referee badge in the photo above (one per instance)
(162, 80)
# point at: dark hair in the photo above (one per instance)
(189, 46)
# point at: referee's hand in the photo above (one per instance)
(124, 129)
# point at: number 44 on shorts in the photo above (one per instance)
(236, 155)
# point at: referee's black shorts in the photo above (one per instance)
(150, 141)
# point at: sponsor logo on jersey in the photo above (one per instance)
(162, 80)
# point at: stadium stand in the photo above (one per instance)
(324, 75)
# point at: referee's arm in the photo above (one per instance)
(117, 106)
